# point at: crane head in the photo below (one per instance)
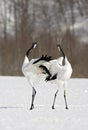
(34, 44)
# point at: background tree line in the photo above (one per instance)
(47, 22)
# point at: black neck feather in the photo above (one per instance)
(27, 53)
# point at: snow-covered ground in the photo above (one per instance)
(15, 100)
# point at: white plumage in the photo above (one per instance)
(56, 71)
(33, 72)
(63, 71)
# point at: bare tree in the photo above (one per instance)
(5, 19)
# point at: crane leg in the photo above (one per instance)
(33, 97)
(54, 99)
(65, 99)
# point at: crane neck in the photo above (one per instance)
(33, 46)
(63, 54)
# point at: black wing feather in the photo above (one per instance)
(45, 69)
(49, 77)
(43, 57)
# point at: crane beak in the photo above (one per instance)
(58, 46)
(35, 45)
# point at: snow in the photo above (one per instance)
(15, 100)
